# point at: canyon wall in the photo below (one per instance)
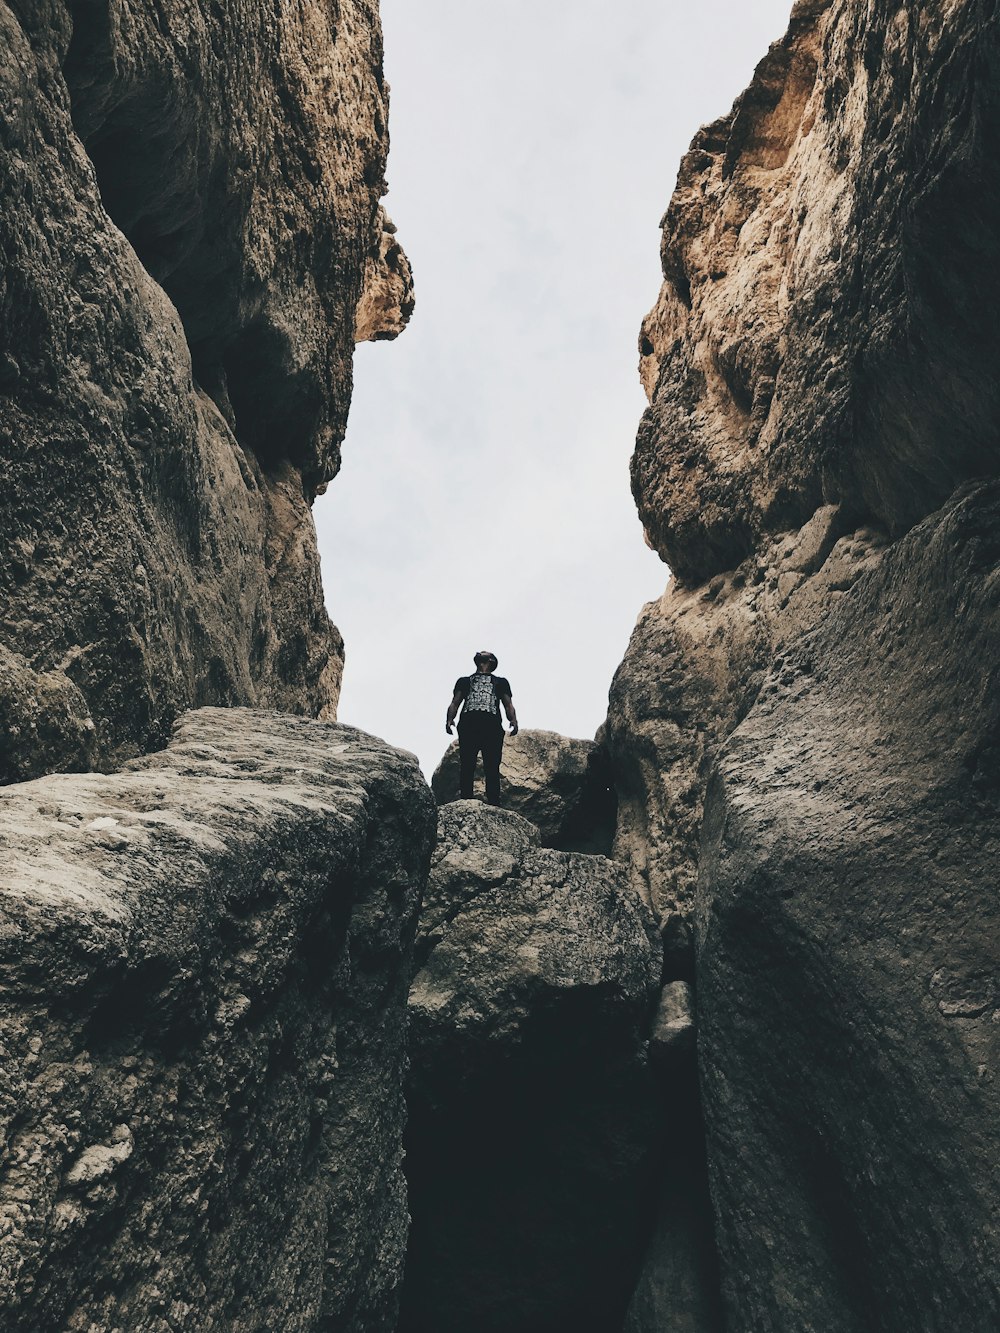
(205, 956)
(192, 240)
(803, 731)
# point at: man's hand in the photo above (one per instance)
(449, 727)
(513, 728)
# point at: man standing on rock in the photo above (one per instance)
(480, 727)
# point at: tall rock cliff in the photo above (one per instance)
(803, 731)
(191, 239)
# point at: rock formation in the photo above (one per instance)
(849, 987)
(192, 238)
(561, 785)
(802, 733)
(533, 1108)
(205, 961)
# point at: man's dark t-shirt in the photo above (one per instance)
(481, 694)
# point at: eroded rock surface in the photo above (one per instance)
(190, 226)
(205, 961)
(561, 784)
(533, 1108)
(694, 665)
(848, 962)
(824, 330)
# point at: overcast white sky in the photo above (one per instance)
(484, 496)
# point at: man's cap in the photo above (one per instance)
(491, 657)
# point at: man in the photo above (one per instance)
(480, 728)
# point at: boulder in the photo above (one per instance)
(189, 224)
(532, 1106)
(205, 961)
(560, 784)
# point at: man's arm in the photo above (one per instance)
(508, 708)
(453, 707)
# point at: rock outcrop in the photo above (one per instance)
(803, 732)
(533, 1107)
(560, 784)
(205, 960)
(192, 238)
(824, 330)
(694, 665)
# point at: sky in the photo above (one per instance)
(484, 497)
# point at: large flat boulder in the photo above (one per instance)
(204, 964)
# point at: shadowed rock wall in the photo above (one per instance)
(191, 238)
(205, 961)
(848, 956)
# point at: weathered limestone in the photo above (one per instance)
(189, 221)
(694, 665)
(533, 1108)
(824, 330)
(562, 785)
(205, 960)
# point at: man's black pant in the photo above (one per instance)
(480, 731)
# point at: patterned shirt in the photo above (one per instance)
(482, 693)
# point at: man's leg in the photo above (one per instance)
(492, 750)
(468, 750)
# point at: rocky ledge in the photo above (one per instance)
(560, 784)
(205, 961)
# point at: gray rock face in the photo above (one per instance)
(848, 999)
(478, 848)
(532, 1105)
(560, 784)
(189, 221)
(696, 660)
(204, 963)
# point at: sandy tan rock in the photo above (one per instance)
(386, 302)
(824, 242)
